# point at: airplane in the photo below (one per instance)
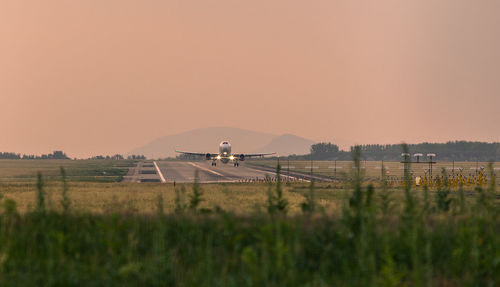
(225, 155)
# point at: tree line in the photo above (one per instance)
(54, 155)
(119, 157)
(61, 155)
(449, 151)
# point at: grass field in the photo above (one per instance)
(237, 198)
(372, 169)
(330, 234)
(242, 199)
(93, 187)
(77, 170)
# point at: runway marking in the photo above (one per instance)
(159, 172)
(206, 169)
(269, 172)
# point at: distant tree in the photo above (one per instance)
(9, 155)
(117, 157)
(136, 157)
(59, 155)
(324, 150)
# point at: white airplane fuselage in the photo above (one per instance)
(225, 152)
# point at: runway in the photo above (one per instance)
(180, 171)
(145, 171)
(184, 171)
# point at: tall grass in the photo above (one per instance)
(65, 201)
(196, 197)
(276, 202)
(372, 243)
(40, 206)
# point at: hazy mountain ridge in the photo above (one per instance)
(287, 144)
(208, 139)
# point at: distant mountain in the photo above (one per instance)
(204, 140)
(208, 139)
(287, 144)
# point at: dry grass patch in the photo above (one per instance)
(94, 197)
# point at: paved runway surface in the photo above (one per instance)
(143, 172)
(184, 172)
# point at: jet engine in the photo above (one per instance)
(242, 157)
(208, 156)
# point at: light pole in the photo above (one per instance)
(335, 170)
(311, 166)
(430, 156)
(406, 163)
(288, 167)
(382, 170)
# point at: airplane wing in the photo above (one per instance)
(211, 155)
(249, 155)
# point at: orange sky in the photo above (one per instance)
(98, 76)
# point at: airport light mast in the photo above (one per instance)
(407, 161)
(430, 156)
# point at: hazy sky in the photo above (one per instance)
(98, 76)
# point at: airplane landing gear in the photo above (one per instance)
(236, 164)
(214, 163)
